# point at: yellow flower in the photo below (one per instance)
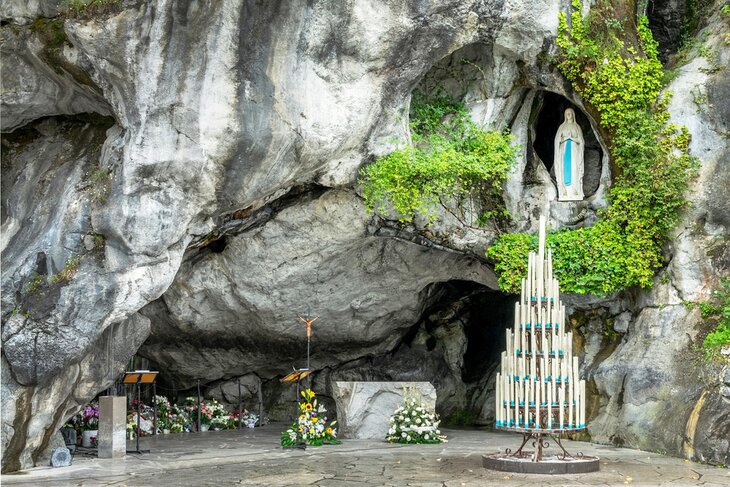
(329, 431)
(308, 407)
(314, 419)
(300, 429)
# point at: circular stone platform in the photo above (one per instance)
(550, 464)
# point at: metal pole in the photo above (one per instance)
(138, 408)
(261, 405)
(199, 406)
(154, 406)
(239, 403)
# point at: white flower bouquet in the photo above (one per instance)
(414, 423)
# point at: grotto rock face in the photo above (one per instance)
(187, 170)
(217, 108)
(235, 311)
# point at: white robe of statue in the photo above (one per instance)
(568, 161)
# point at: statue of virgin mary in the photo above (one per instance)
(568, 162)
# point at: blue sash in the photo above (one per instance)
(567, 171)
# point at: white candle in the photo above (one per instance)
(570, 404)
(578, 403)
(569, 346)
(498, 403)
(541, 235)
(522, 290)
(555, 372)
(508, 387)
(549, 408)
(550, 271)
(533, 367)
(526, 399)
(529, 277)
(576, 391)
(561, 398)
(583, 403)
(538, 390)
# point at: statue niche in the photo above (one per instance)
(568, 161)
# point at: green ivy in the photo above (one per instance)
(619, 77)
(452, 163)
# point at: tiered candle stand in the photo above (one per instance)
(538, 391)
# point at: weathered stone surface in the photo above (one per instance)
(44, 80)
(112, 438)
(61, 457)
(236, 310)
(227, 391)
(56, 441)
(363, 408)
(23, 11)
(649, 395)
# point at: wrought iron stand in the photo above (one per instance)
(536, 461)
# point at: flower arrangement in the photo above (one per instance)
(249, 419)
(131, 430)
(90, 417)
(311, 427)
(164, 413)
(180, 420)
(86, 420)
(413, 422)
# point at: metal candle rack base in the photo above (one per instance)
(535, 461)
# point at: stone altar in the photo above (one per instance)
(363, 408)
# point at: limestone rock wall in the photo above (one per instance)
(188, 169)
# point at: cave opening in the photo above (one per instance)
(463, 332)
(547, 114)
(492, 313)
(482, 315)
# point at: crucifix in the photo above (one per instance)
(308, 321)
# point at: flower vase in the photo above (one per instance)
(204, 427)
(86, 437)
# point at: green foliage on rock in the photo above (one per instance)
(619, 76)
(452, 163)
(720, 335)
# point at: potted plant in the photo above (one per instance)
(90, 425)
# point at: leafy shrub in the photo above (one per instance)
(451, 164)
(720, 336)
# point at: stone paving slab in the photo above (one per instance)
(254, 458)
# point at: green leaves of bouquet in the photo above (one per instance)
(414, 423)
(311, 427)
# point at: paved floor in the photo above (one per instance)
(254, 457)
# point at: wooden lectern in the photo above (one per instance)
(138, 377)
